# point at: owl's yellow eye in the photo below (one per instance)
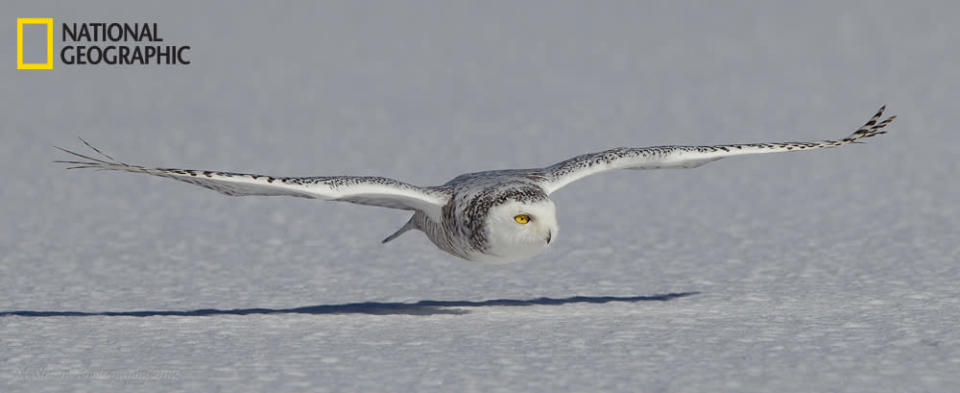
(522, 218)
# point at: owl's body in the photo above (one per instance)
(479, 204)
(491, 217)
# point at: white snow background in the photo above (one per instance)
(834, 270)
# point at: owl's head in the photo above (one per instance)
(519, 226)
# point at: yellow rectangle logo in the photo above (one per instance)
(34, 21)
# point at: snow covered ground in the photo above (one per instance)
(834, 270)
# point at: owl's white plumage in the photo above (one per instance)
(510, 241)
(475, 216)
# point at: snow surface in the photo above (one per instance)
(833, 270)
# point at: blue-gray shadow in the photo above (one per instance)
(423, 307)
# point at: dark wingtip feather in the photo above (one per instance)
(95, 149)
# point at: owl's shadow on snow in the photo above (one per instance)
(423, 307)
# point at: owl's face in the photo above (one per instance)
(519, 230)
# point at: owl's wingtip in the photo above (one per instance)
(406, 227)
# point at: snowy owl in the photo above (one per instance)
(493, 217)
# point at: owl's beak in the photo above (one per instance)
(549, 236)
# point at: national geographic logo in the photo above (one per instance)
(48, 22)
(100, 43)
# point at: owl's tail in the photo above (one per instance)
(406, 227)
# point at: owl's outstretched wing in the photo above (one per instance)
(562, 173)
(365, 190)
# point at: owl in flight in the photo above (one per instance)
(493, 217)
